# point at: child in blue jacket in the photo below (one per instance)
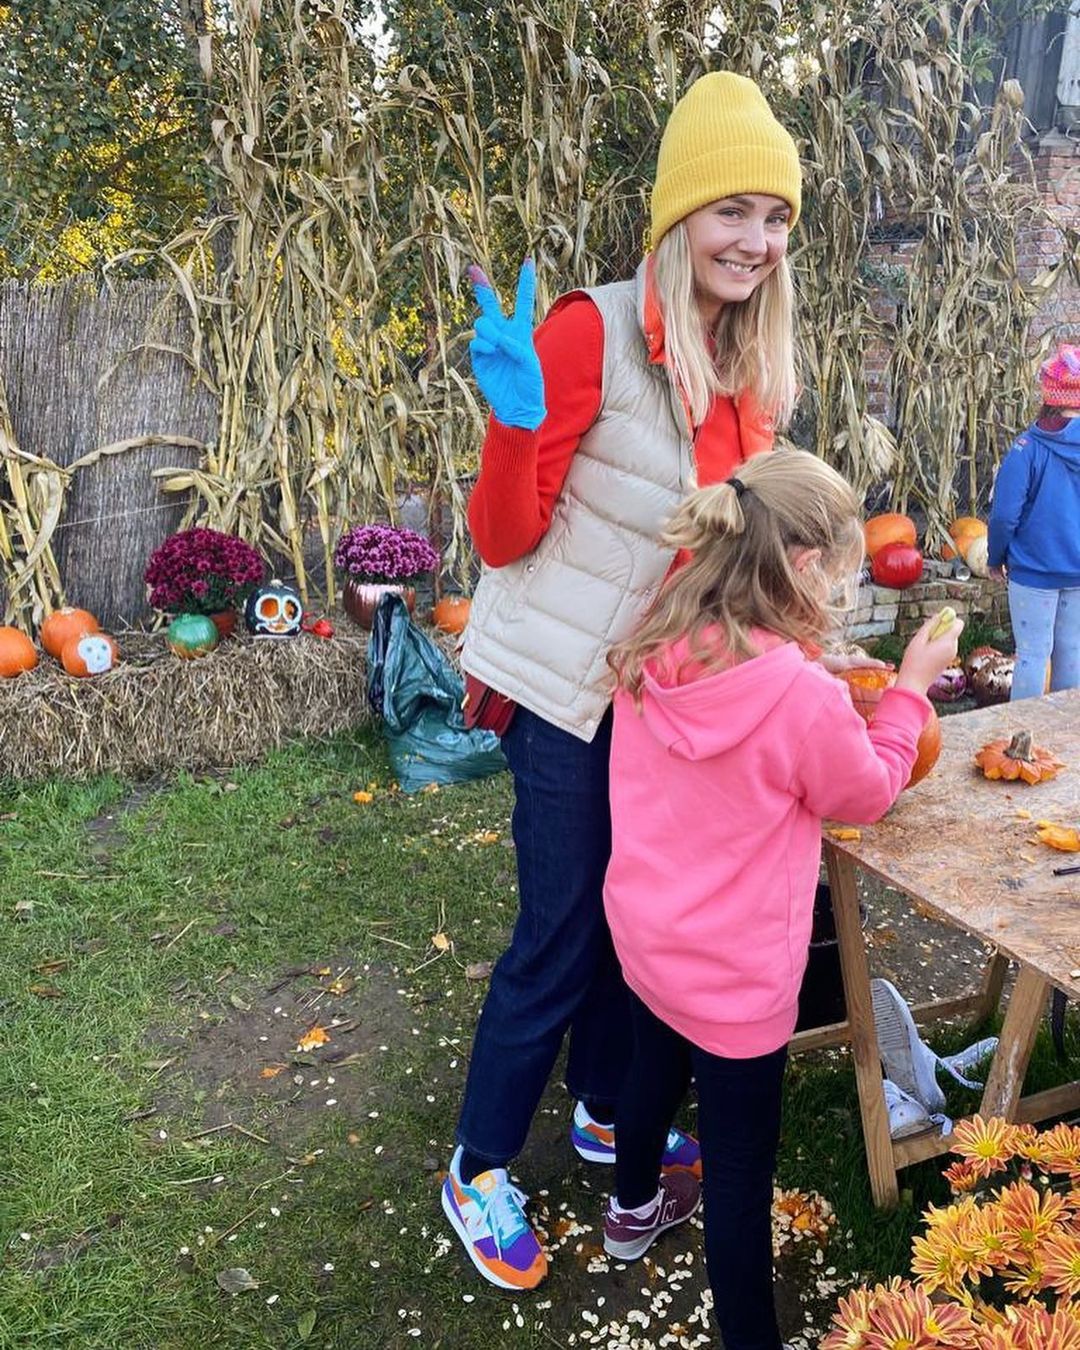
(1035, 533)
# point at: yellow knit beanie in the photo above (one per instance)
(722, 140)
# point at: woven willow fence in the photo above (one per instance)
(326, 315)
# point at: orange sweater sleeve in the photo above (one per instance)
(522, 472)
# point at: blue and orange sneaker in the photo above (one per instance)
(487, 1214)
(596, 1143)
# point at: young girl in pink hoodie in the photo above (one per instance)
(730, 744)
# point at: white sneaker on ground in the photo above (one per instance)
(908, 1116)
(908, 1060)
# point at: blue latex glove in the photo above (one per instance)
(504, 359)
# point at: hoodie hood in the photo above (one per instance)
(1064, 444)
(717, 711)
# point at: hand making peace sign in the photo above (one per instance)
(504, 359)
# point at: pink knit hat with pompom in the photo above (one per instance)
(1060, 378)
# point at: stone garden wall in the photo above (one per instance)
(881, 611)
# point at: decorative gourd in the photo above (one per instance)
(1018, 760)
(889, 528)
(992, 682)
(90, 654)
(191, 635)
(897, 565)
(977, 658)
(64, 624)
(450, 614)
(977, 556)
(962, 532)
(866, 684)
(949, 685)
(17, 653)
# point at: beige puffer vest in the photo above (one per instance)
(541, 627)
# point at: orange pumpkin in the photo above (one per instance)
(90, 654)
(1018, 760)
(64, 624)
(450, 614)
(866, 684)
(890, 528)
(963, 532)
(17, 653)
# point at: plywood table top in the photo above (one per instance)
(958, 845)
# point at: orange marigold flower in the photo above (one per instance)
(988, 1145)
(1060, 1257)
(1034, 1328)
(850, 1322)
(1058, 1149)
(1029, 1216)
(1028, 1279)
(989, 1242)
(961, 1176)
(938, 1261)
(898, 1321)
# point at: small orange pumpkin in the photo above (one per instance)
(866, 684)
(889, 528)
(1018, 760)
(963, 532)
(17, 653)
(90, 654)
(64, 624)
(450, 614)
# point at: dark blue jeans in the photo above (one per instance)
(739, 1130)
(560, 970)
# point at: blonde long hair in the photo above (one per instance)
(754, 340)
(742, 575)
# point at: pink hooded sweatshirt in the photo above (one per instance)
(718, 789)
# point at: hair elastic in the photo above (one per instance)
(738, 485)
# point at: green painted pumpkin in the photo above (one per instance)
(192, 635)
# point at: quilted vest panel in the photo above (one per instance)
(541, 627)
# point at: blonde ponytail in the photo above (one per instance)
(742, 575)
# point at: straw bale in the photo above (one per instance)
(155, 712)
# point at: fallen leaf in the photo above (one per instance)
(24, 909)
(845, 834)
(305, 1324)
(316, 1036)
(484, 837)
(352, 1140)
(1061, 837)
(235, 1280)
(272, 1070)
(46, 990)
(478, 970)
(51, 967)
(440, 942)
(430, 788)
(230, 787)
(363, 797)
(342, 984)
(239, 1004)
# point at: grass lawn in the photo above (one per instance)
(165, 953)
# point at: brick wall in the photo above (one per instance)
(881, 611)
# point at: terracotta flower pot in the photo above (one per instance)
(361, 598)
(225, 622)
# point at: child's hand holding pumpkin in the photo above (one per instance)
(927, 655)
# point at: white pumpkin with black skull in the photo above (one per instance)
(274, 611)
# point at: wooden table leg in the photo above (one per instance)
(1005, 1081)
(993, 982)
(864, 1046)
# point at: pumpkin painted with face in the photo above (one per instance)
(274, 611)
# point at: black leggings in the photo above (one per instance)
(739, 1130)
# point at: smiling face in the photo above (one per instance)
(734, 244)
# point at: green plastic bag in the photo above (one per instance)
(417, 693)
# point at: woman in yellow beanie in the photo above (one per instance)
(624, 398)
